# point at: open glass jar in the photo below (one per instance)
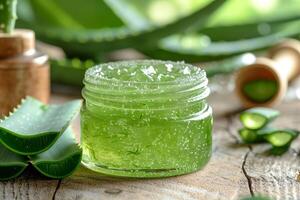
(145, 118)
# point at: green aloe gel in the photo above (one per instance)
(257, 118)
(260, 91)
(145, 119)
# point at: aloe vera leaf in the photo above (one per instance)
(277, 151)
(172, 48)
(61, 159)
(176, 48)
(247, 31)
(8, 15)
(260, 90)
(278, 137)
(11, 164)
(250, 136)
(69, 71)
(104, 40)
(257, 118)
(34, 126)
(77, 15)
(129, 14)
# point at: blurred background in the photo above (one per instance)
(221, 35)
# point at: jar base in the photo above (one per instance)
(141, 173)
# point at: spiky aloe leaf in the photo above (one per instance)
(192, 48)
(89, 42)
(34, 126)
(8, 15)
(11, 164)
(61, 159)
(69, 71)
(246, 31)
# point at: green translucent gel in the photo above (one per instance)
(260, 90)
(145, 119)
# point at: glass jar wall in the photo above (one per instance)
(145, 118)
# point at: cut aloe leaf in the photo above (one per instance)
(34, 126)
(250, 136)
(278, 137)
(260, 90)
(277, 151)
(61, 159)
(11, 164)
(257, 118)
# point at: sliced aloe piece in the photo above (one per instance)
(257, 118)
(34, 126)
(260, 90)
(11, 164)
(250, 136)
(61, 159)
(278, 137)
(277, 151)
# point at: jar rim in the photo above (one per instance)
(91, 76)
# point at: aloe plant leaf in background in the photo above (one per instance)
(247, 31)
(11, 164)
(87, 42)
(77, 15)
(34, 126)
(61, 159)
(195, 47)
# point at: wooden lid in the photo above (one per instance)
(18, 42)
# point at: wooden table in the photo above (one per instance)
(235, 170)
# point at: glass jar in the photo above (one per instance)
(145, 118)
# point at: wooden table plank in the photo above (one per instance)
(235, 170)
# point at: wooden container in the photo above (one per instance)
(282, 66)
(23, 70)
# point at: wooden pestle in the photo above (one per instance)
(282, 66)
(23, 70)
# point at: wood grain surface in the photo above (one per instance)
(234, 171)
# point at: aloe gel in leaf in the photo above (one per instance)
(61, 159)
(260, 90)
(11, 164)
(250, 136)
(34, 126)
(257, 118)
(279, 137)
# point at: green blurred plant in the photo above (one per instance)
(8, 15)
(91, 30)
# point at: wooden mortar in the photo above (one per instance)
(282, 66)
(23, 70)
